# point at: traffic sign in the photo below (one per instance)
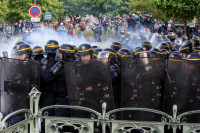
(35, 20)
(47, 16)
(34, 11)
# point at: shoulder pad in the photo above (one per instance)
(44, 61)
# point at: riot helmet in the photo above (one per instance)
(174, 56)
(23, 52)
(193, 62)
(112, 56)
(96, 52)
(51, 47)
(37, 53)
(15, 48)
(196, 49)
(196, 41)
(171, 36)
(165, 53)
(124, 53)
(147, 45)
(184, 38)
(94, 47)
(163, 45)
(140, 52)
(116, 46)
(85, 53)
(156, 50)
(65, 52)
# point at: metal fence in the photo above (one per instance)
(104, 120)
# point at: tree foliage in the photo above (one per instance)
(180, 10)
(94, 7)
(147, 6)
(18, 9)
(14, 10)
(3, 10)
(53, 6)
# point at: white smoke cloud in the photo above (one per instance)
(40, 39)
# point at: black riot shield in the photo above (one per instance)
(192, 77)
(183, 87)
(89, 85)
(142, 82)
(17, 80)
(175, 87)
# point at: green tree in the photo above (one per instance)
(110, 7)
(180, 10)
(53, 6)
(3, 10)
(19, 9)
(94, 7)
(76, 7)
(147, 6)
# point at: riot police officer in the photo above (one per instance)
(85, 53)
(38, 53)
(186, 49)
(171, 36)
(15, 48)
(123, 53)
(65, 53)
(24, 52)
(192, 64)
(50, 51)
(48, 87)
(18, 81)
(109, 58)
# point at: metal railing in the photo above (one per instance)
(104, 120)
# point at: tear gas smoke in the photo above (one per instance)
(40, 39)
